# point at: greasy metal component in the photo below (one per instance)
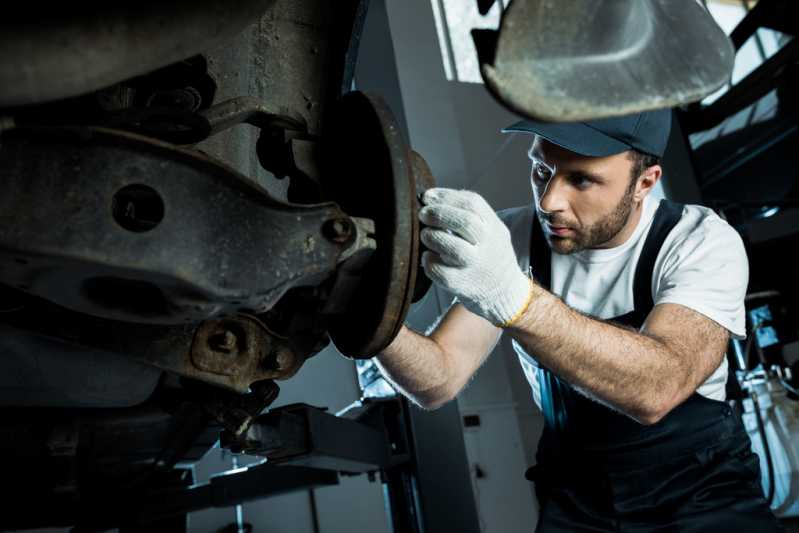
(243, 346)
(295, 60)
(583, 59)
(302, 435)
(223, 245)
(224, 341)
(262, 356)
(189, 422)
(81, 47)
(285, 154)
(234, 412)
(366, 157)
(338, 230)
(183, 86)
(308, 50)
(196, 407)
(363, 242)
(304, 158)
(174, 126)
(423, 176)
(249, 110)
(230, 346)
(163, 104)
(187, 98)
(303, 65)
(350, 273)
(423, 179)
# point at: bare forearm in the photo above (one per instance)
(417, 366)
(625, 369)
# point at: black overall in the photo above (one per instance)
(599, 470)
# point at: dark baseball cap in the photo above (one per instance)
(646, 132)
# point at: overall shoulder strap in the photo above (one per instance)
(556, 395)
(540, 255)
(666, 218)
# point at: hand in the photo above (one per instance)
(471, 255)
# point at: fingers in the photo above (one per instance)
(445, 275)
(465, 224)
(452, 249)
(468, 200)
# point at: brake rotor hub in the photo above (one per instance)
(372, 173)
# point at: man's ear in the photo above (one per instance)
(646, 181)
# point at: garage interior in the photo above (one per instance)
(216, 375)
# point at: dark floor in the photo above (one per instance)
(791, 525)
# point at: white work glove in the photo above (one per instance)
(471, 255)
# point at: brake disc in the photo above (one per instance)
(370, 174)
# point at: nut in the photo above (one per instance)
(338, 230)
(224, 341)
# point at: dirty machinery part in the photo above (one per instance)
(142, 238)
(371, 173)
(118, 241)
(60, 51)
(584, 60)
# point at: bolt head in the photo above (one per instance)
(224, 341)
(339, 230)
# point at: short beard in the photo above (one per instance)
(599, 233)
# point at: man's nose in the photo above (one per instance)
(554, 197)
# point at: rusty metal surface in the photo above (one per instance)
(350, 273)
(164, 104)
(62, 51)
(249, 110)
(259, 354)
(121, 227)
(294, 60)
(235, 412)
(423, 179)
(299, 434)
(582, 59)
(305, 49)
(243, 346)
(192, 261)
(230, 346)
(280, 73)
(368, 159)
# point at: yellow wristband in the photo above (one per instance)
(521, 311)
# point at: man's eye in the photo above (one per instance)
(541, 172)
(581, 182)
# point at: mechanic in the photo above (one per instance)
(620, 308)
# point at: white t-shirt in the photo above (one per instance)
(701, 265)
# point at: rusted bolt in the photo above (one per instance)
(224, 341)
(338, 230)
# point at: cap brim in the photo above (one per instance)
(576, 137)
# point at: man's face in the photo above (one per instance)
(588, 200)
